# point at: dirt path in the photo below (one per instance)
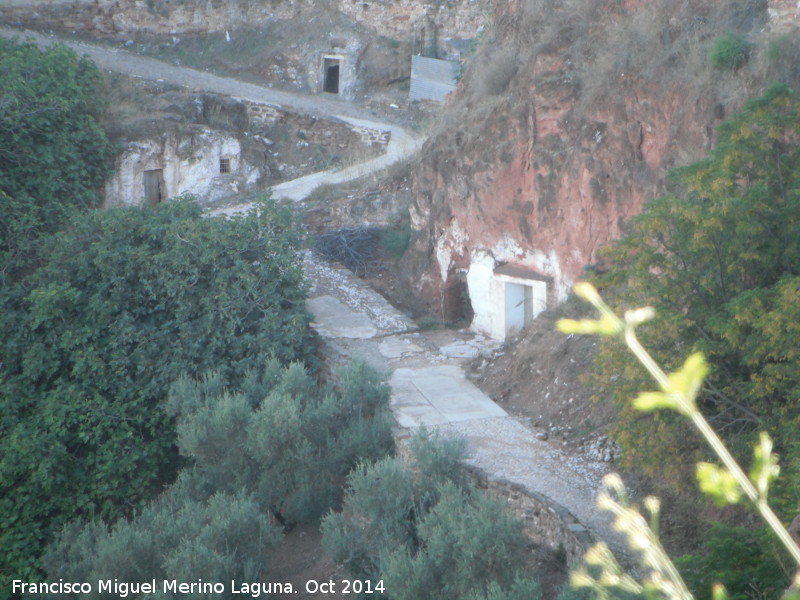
(401, 144)
(121, 61)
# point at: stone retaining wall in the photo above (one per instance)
(545, 522)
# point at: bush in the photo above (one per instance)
(219, 539)
(465, 542)
(288, 449)
(395, 241)
(730, 52)
(428, 533)
(521, 589)
(56, 156)
(439, 461)
(747, 562)
(719, 262)
(378, 513)
(251, 463)
(118, 307)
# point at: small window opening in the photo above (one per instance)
(224, 165)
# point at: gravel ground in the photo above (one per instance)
(352, 292)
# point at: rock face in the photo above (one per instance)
(112, 17)
(180, 161)
(426, 21)
(216, 148)
(784, 15)
(563, 126)
(335, 46)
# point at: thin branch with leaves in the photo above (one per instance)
(726, 484)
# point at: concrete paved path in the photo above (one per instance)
(430, 387)
(437, 395)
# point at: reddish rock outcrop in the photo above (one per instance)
(784, 15)
(543, 167)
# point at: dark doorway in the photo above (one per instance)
(154, 186)
(331, 67)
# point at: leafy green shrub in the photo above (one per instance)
(522, 588)
(730, 52)
(427, 531)
(56, 154)
(378, 512)
(439, 461)
(719, 262)
(570, 593)
(395, 241)
(777, 48)
(747, 562)
(465, 542)
(251, 461)
(727, 484)
(290, 447)
(118, 307)
(222, 538)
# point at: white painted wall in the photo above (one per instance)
(480, 277)
(492, 299)
(190, 164)
(516, 312)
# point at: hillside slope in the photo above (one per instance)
(566, 121)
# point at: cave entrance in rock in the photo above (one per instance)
(154, 186)
(331, 70)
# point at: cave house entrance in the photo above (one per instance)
(331, 72)
(153, 186)
(524, 295)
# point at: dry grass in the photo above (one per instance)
(603, 48)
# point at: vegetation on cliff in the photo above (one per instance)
(719, 259)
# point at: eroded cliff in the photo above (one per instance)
(567, 120)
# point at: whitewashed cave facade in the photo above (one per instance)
(203, 162)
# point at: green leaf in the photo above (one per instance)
(765, 465)
(650, 401)
(719, 592)
(718, 483)
(687, 382)
(605, 325)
